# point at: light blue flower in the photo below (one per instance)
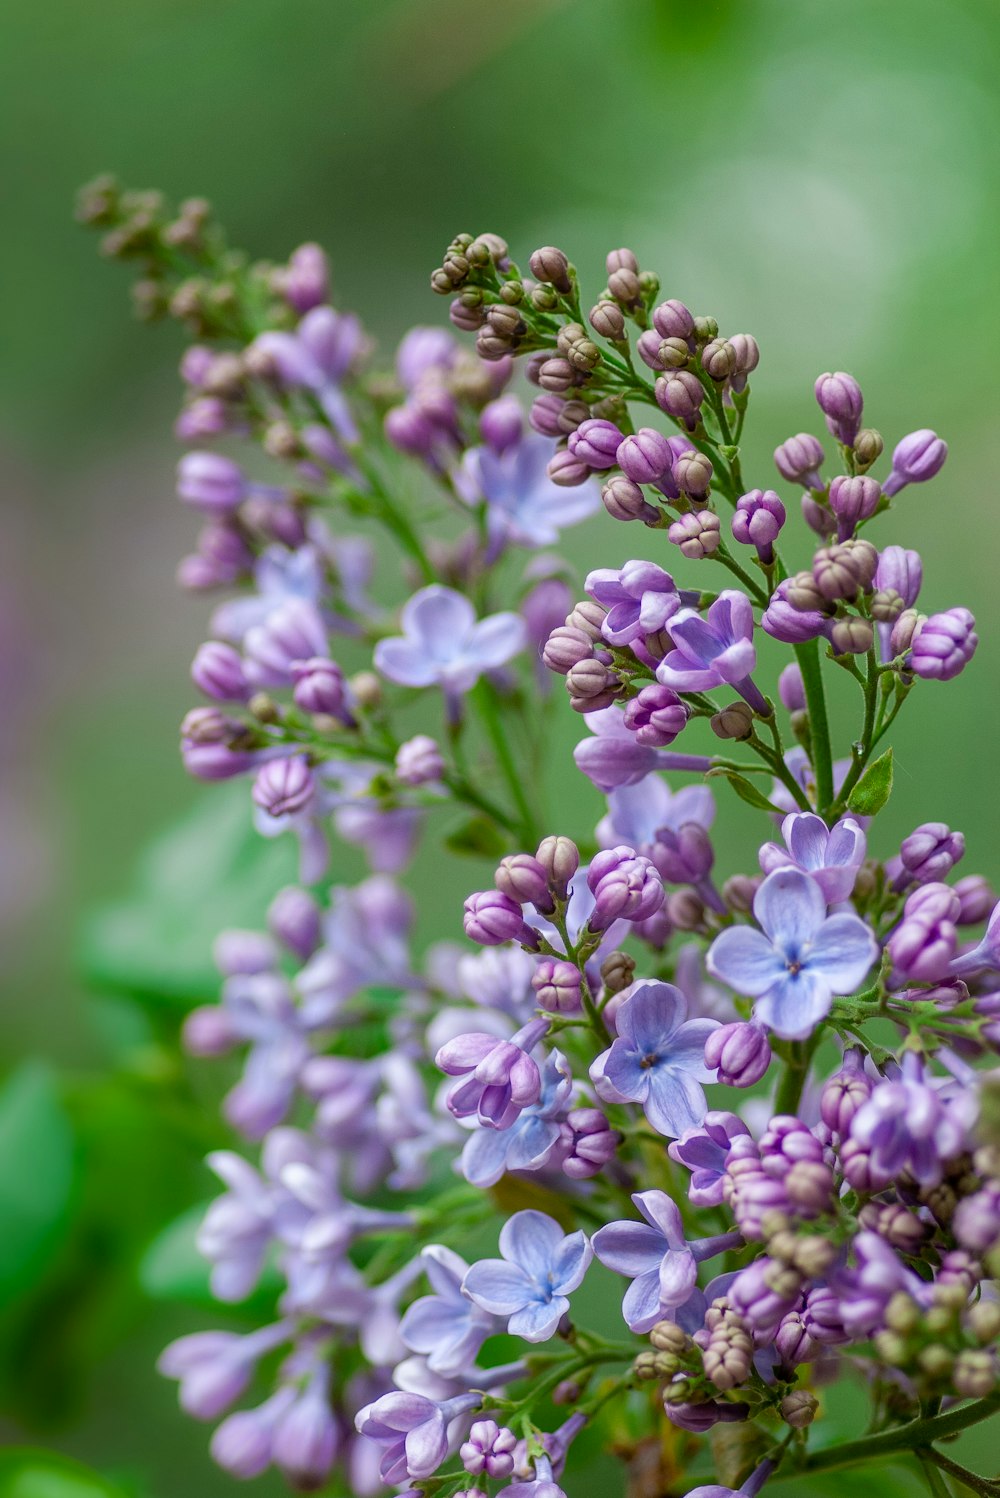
(443, 644)
(523, 504)
(530, 1285)
(799, 959)
(658, 1059)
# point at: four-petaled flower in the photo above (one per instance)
(523, 504)
(655, 1257)
(658, 1058)
(713, 651)
(531, 1283)
(832, 855)
(799, 959)
(444, 644)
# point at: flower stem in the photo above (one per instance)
(911, 1437)
(807, 655)
(484, 698)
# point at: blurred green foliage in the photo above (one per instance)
(824, 176)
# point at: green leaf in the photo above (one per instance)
(211, 871)
(746, 791)
(29, 1473)
(477, 836)
(873, 789)
(36, 1176)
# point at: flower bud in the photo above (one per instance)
(644, 456)
(293, 918)
(624, 500)
(588, 1143)
(501, 423)
(591, 685)
(697, 534)
(560, 858)
(617, 972)
(673, 320)
(522, 878)
(798, 1409)
(757, 521)
(845, 569)
(739, 892)
(803, 594)
(596, 443)
(798, 460)
(565, 648)
(607, 321)
(567, 469)
(556, 374)
(284, 786)
(656, 716)
(885, 606)
(692, 473)
(976, 899)
(931, 852)
(419, 761)
(791, 689)
(492, 918)
(686, 910)
(852, 636)
(680, 395)
(905, 630)
(319, 686)
(839, 398)
(719, 360)
(557, 986)
(551, 265)
(217, 670)
(588, 616)
(649, 345)
(943, 645)
(740, 1052)
(853, 500)
(868, 447)
(915, 459)
(735, 721)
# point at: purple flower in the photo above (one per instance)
(930, 852)
(704, 1150)
(943, 645)
(758, 520)
(211, 482)
(284, 786)
(214, 1368)
(489, 1449)
(911, 1122)
(291, 633)
(625, 886)
(412, 1431)
(713, 651)
(446, 1326)
(798, 460)
(986, 953)
(530, 1141)
(280, 576)
(443, 644)
(924, 943)
(656, 715)
(915, 459)
(640, 597)
(637, 814)
(530, 1284)
(523, 505)
(658, 1058)
(831, 856)
(864, 1292)
(613, 756)
(501, 1076)
(654, 1255)
(800, 958)
(492, 918)
(790, 625)
(316, 357)
(739, 1052)
(596, 443)
(853, 498)
(839, 398)
(305, 280)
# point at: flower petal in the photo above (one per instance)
(439, 619)
(650, 1015)
(745, 959)
(405, 661)
(674, 1102)
(530, 1240)
(498, 1287)
(493, 641)
(641, 1304)
(843, 950)
(537, 1322)
(631, 1248)
(790, 908)
(795, 1005)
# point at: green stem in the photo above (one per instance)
(484, 698)
(911, 1437)
(793, 1075)
(863, 748)
(982, 1485)
(936, 1484)
(807, 655)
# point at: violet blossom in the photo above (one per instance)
(531, 1283)
(657, 1058)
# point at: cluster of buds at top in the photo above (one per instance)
(577, 650)
(839, 574)
(542, 881)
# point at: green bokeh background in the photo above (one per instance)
(823, 176)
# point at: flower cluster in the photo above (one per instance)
(764, 1102)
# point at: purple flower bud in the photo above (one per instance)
(499, 1077)
(305, 281)
(901, 571)
(798, 460)
(764, 1292)
(216, 761)
(648, 348)
(195, 364)
(672, 319)
(557, 986)
(284, 786)
(818, 517)
(905, 631)
(844, 1093)
(501, 423)
(587, 1142)
(319, 686)
(522, 878)
(839, 398)
(644, 457)
(492, 918)
(976, 1222)
(925, 941)
(205, 417)
(306, 1438)
(915, 459)
(419, 761)
(853, 500)
(293, 918)
(596, 443)
(930, 852)
(624, 500)
(294, 632)
(565, 648)
(791, 689)
(567, 469)
(409, 430)
(791, 625)
(684, 855)
(560, 858)
(208, 1031)
(692, 473)
(944, 645)
(217, 670)
(976, 899)
(625, 886)
(680, 395)
(210, 482)
(740, 1052)
(490, 1449)
(697, 534)
(758, 519)
(656, 716)
(792, 1341)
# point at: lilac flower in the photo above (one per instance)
(986, 953)
(501, 1077)
(260, 1008)
(489, 1449)
(758, 520)
(923, 945)
(412, 1431)
(241, 1445)
(316, 357)
(943, 645)
(913, 1123)
(839, 398)
(790, 625)
(916, 458)
(280, 576)
(798, 460)
(657, 1059)
(531, 1282)
(713, 651)
(446, 1326)
(238, 1227)
(613, 756)
(703, 1151)
(654, 1255)
(531, 1140)
(740, 1052)
(443, 644)
(365, 943)
(638, 813)
(291, 633)
(215, 1368)
(640, 597)
(799, 959)
(864, 1292)
(523, 505)
(625, 886)
(831, 856)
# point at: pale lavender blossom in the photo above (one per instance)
(523, 505)
(316, 357)
(443, 644)
(531, 1283)
(714, 650)
(613, 756)
(446, 1326)
(831, 855)
(639, 597)
(704, 1151)
(657, 1059)
(280, 576)
(799, 959)
(531, 1141)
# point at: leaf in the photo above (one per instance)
(873, 789)
(37, 1171)
(478, 836)
(747, 792)
(29, 1473)
(209, 872)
